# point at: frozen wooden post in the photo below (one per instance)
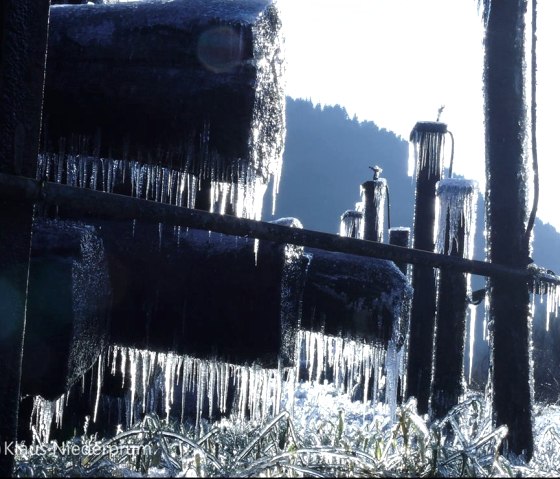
(374, 197)
(427, 138)
(455, 235)
(505, 75)
(23, 29)
(400, 236)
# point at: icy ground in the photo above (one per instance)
(319, 433)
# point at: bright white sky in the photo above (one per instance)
(395, 62)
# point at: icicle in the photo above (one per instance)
(183, 388)
(71, 171)
(320, 347)
(456, 204)
(243, 387)
(110, 171)
(391, 368)
(113, 354)
(224, 387)
(99, 384)
(552, 303)
(42, 415)
(403, 360)
(182, 184)
(253, 389)
(94, 174)
(123, 365)
(199, 387)
(348, 359)
(150, 183)
(485, 325)
(279, 386)
(132, 356)
(310, 349)
(146, 367)
(351, 224)
(193, 187)
(118, 167)
(212, 372)
(59, 410)
(164, 186)
(427, 139)
(167, 363)
(256, 250)
(472, 329)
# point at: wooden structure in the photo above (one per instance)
(428, 140)
(456, 223)
(24, 35)
(505, 80)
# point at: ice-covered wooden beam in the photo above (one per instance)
(83, 203)
(195, 85)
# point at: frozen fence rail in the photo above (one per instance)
(80, 203)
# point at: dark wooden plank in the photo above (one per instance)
(23, 40)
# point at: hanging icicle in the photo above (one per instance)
(350, 362)
(43, 414)
(351, 224)
(427, 141)
(456, 203)
(472, 332)
(255, 394)
(241, 192)
(544, 288)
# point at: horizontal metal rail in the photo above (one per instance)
(81, 203)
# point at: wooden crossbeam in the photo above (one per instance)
(81, 203)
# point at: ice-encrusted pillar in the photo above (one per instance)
(23, 30)
(506, 128)
(427, 138)
(455, 236)
(374, 196)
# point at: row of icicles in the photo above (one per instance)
(243, 189)
(245, 392)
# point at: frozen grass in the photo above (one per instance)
(321, 433)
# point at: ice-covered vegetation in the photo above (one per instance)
(320, 432)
